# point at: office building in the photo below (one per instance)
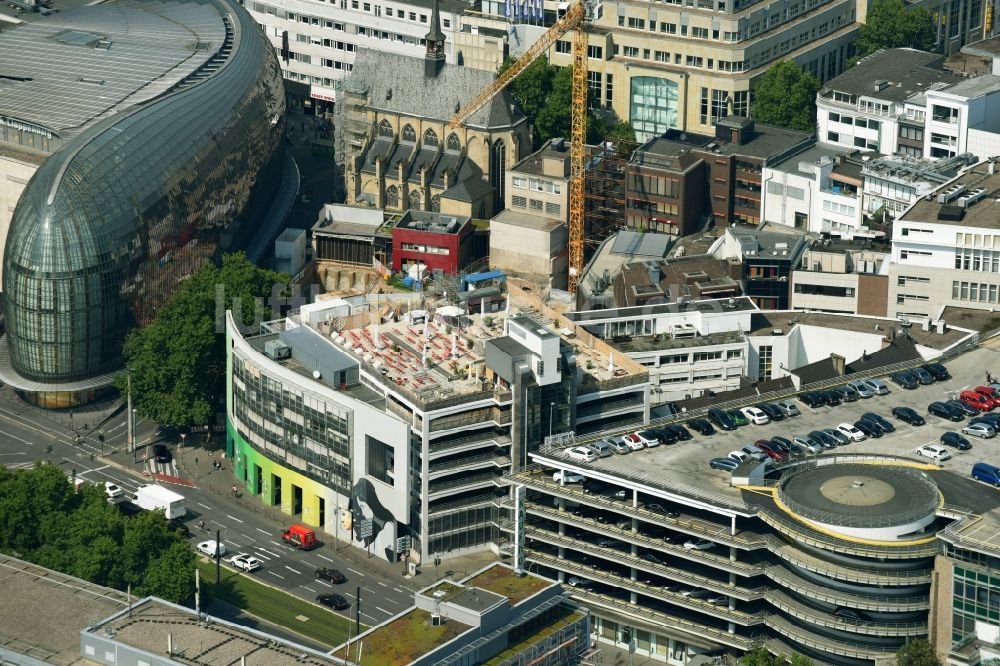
(768, 258)
(175, 163)
(842, 277)
(432, 241)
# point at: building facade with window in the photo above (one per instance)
(841, 277)
(397, 148)
(946, 248)
(175, 163)
(432, 240)
(685, 64)
(317, 41)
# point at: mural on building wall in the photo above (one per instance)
(366, 506)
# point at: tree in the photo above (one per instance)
(890, 24)
(177, 362)
(759, 656)
(171, 575)
(917, 652)
(786, 96)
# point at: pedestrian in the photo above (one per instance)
(201, 524)
(989, 377)
(234, 490)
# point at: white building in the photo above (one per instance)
(946, 248)
(903, 101)
(316, 41)
(894, 183)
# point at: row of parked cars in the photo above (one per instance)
(636, 441)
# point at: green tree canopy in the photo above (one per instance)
(891, 24)
(43, 520)
(918, 652)
(759, 656)
(786, 96)
(177, 362)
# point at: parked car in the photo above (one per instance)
(594, 487)
(246, 562)
(567, 477)
(837, 436)
(618, 446)
(161, 453)
(990, 419)
(976, 400)
(581, 454)
(990, 393)
(334, 601)
(824, 439)
(785, 445)
(987, 473)
(698, 544)
(938, 370)
(850, 615)
(922, 375)
(665, 435)
(701, 426)
(955, 440)
(812, 400)
(633, 442)
(721, 419)
(934, 452)
(981, 430)
(851, 432)
(682, 433)
(655, 558)
(602, 448)
(882, 422)
(877, 385)
(831, 398)
(739, 456)
(755, 415)
(330, 575)
(738, 417)
(862, 388)
(868, 429)
(770, 450)
(958, 404)
(582, 583)
(787, 407)
(649, 438)
(847, 394)
(211, 548)
(905, 380)
(695, 592)
(944, 411)
(112, 491)
(662, 510)
(809, 443)
(724, 464)
(874, 425)
(773, 413)
(909, 415)
(754, 452)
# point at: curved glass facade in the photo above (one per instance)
(111, 223)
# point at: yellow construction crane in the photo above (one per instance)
(577, 17)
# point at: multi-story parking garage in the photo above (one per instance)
(830, 560)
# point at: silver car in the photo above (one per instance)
(877, 385)
(863, 389)
(808, 443)
(787, 407)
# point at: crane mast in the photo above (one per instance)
(576, 18)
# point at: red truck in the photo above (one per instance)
(300, 536)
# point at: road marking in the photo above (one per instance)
(324, 583)
(281, 545)
(264, 531)
(383, 610)
(204, 506)
(293, 570)
(399, 590)
(306, 587)
(247, 537)
(381, 583)
(354, 571)
(276, 575)
(234, 518)
(263, 557)
(324, 557)
(370, 617)
(275, 555)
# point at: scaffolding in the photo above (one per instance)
(604, 190)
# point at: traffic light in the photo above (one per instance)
(627, 636)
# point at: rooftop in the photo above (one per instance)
(402, 640)
(976, 320)
(534, 164)
(508, 583)
(974, 87)
(990, 47)
(984, 212)
(740, 304)
(767, 143)
(436, 223)
(342, 220)
(50, 610)
(892, 75)
(905, 169)
(810, 156)
(763, 323)
(526, 220)
(65, 70)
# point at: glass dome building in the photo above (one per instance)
(110, 223)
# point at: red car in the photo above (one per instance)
(772, 452)
(976, 400)
(990, 393)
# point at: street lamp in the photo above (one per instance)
(552, 408)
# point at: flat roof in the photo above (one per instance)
(765, 322)
(403, 639)
(526, 220)
(767, 142)
(737, 304)
(534, 164)
(508, 583)
(971, 318)
(436, 223)
(811, 155)
(900, 73)
(67, 69)
(985, 213)
(46, 610)
(976, 86)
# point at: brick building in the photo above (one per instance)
(438, 241)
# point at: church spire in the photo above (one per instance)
(434, 60)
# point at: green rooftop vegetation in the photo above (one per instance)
(504, 581)
(564, 618)
(402, 641)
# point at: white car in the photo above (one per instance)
(739, 456)
(634, 442)
(567, 477)
(246, 562)
(698, 544)
(581, 454)
(755, 416)
(863, 388)
(934, 452)
(582, 583)
(112, 491)
(852, 433)
(981, 430)
(208, 548)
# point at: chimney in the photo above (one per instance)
(838, 364)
